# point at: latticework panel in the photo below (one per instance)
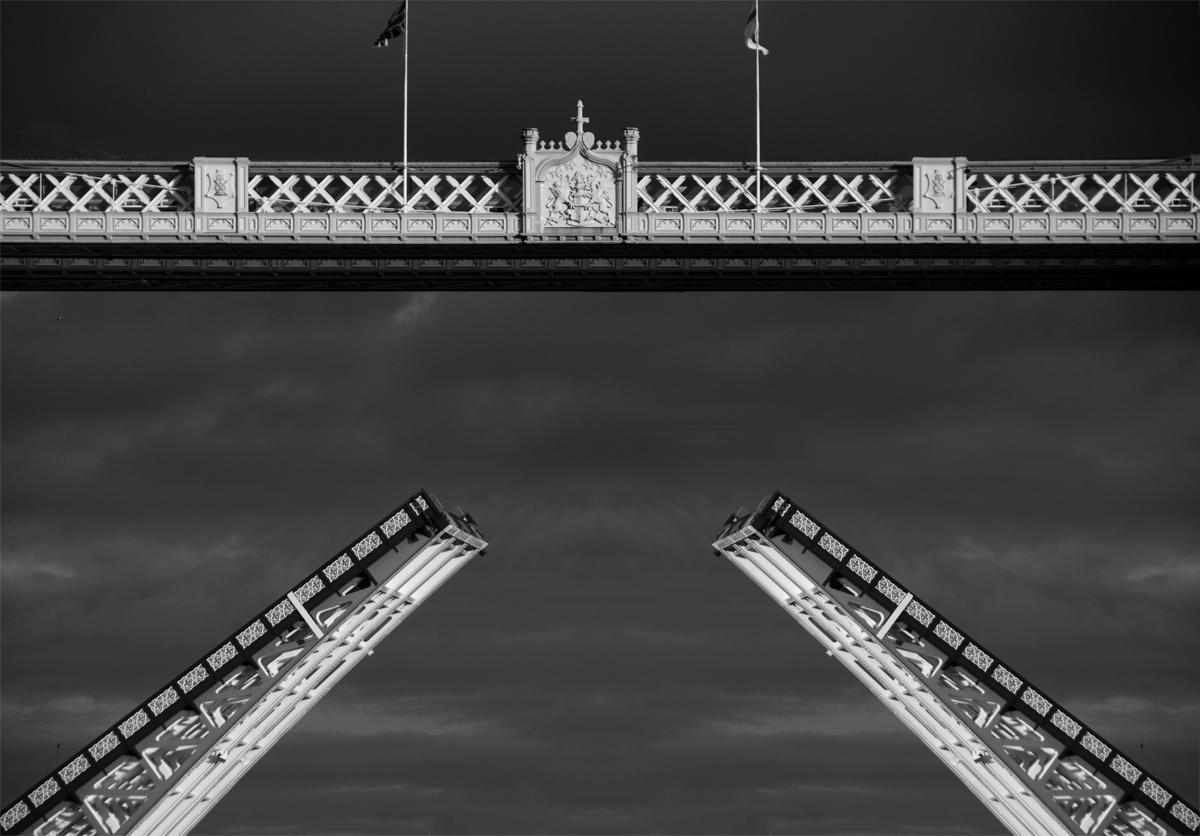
(428, 191)
(1097, 191)
(49, 190)
(1089, 786)
(782, 191)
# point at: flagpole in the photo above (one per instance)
(406, 25)
(757, 114)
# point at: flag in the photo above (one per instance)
(752, 31)
(395, 25)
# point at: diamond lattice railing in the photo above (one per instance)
(1097, 191)
(881, 190)
(285, 190)
(61, 190)
(1095, 186)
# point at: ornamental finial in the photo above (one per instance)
(580, 120)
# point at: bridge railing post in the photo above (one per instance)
(939, 194)
(222, 193)
(529, 208)
(629, 177)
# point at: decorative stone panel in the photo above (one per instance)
(76, 767)
(221, 185)
(577, 186)
(101, 748)
(806, 525)
(133, 723)
(392, 526)
(832, 546)
(921, 613)
(938, 185)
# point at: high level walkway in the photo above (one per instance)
(581, 207)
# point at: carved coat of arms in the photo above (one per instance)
(939, 189)
(580, 193)
(219, 187)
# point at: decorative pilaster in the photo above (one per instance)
(222, 184)
(938, 190)
(529, 182)
(629, 175)
(938, 184)
(222, 188)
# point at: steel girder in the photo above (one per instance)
(1036, 767)
(167, 763)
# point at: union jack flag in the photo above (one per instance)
(395, 25)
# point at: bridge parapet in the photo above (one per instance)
(581, 189)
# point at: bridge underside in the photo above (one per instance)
(593, 265)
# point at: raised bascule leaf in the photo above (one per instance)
(164, 766)
(1037, 768)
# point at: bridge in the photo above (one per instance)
(1029, 759)
(1035, 765)
(163, 767)
(586, 212)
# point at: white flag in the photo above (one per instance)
(752, 32)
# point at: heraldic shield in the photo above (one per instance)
(575, 187)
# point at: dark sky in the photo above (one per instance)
(844, 80)
(1027, 463)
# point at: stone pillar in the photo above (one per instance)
(529, 191)
(960, 184)
(222, 184)
(938, 185)
(629, 174)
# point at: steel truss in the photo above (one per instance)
(1066, 191)
(857, 188)
(1038, 769)
(838, 191)
(96, 187)
(162, 775)
(346, 188)
(478, 190)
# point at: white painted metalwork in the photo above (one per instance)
(367, 545)
(332, 657)
(894, 617)
(123, 187)
(287, 190)
(133, 724)
(844, 637)
(581, 188)
(77, 766)
(1107, 191)
(306, 615)
(223, 713)
(682, 190)
(1031, 781)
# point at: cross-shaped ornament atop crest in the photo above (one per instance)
(580, 119)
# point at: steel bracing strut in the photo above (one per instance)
(162, 769)
(1037, 768)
